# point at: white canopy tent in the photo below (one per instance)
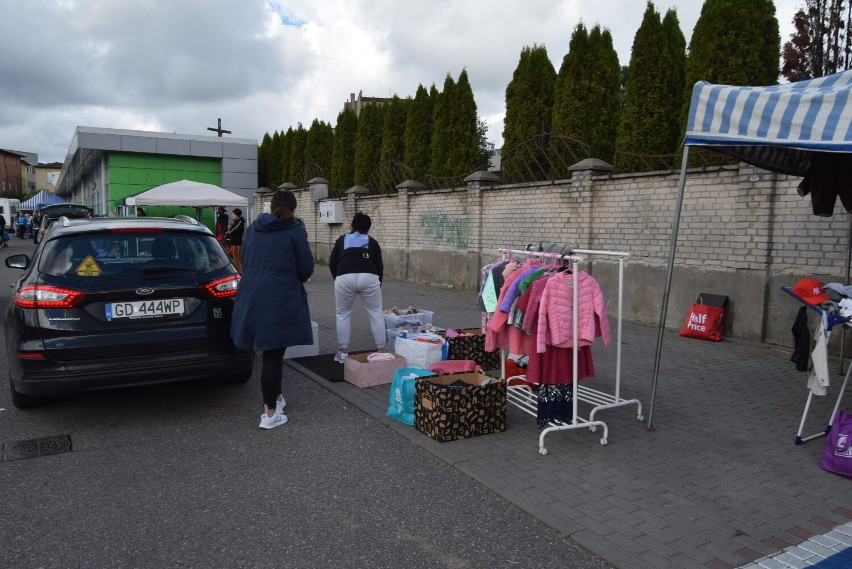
(782, 128)
(186, 193)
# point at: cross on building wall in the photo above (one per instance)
(219, 129)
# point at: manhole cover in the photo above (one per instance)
(37, 447)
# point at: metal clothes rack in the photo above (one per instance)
(828, 322)
(525, 399)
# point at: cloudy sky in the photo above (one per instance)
(266, 65)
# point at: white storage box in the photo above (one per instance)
(415, 317)
(302, 351)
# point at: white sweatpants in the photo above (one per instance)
(368, 287)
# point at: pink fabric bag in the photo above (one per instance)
(454, 366)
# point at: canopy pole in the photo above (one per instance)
(665, 304)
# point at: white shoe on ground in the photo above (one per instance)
(276, 420)
(340, 356)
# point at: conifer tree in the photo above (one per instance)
(675, 54)
(263, 160)
(343, 158)
(734, 42)
(442, 130)
(319, 145)
(393, 138)
(298, 143)
(587, 98)
(463, 157)
(368, 142)
(273, 160)
(284, 146)
(418, 133)
(650, 122)
(393, 130)
(529, 101)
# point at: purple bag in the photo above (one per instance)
(837, 456)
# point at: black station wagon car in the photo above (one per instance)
(108, 303)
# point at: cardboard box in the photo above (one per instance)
(472, 348)
(307, 350)
(358, 371)
(447, 413)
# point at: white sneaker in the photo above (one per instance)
(276, 420)
(340, 356)
(279, 405)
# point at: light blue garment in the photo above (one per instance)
(489, 295)
(355, 240)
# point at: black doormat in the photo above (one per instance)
(324, 365)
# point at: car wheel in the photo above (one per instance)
(24, 401)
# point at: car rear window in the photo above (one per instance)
(131, 255)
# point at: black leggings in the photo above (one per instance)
(270, 376)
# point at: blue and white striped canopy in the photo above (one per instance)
(40, 200)
(777, 127)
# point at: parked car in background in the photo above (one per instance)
(110, 302)
(52, 212)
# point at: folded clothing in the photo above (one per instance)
(454, 366)
(380, 356)
(453, 334)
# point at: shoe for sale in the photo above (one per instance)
(340, 356)
(279, 405)
(276, 420)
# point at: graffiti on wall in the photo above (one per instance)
(453, 231)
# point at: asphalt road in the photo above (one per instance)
(180, 476)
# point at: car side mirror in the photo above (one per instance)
(18, 261)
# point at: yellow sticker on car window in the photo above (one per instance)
(88, 268)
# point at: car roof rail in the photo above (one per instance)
(64, 221)
(186, 219)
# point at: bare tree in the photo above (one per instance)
(821, 44)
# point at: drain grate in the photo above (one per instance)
(37, 447)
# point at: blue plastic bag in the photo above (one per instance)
(401, 398)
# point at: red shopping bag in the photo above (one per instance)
(704, 322)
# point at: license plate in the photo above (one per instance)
(144, 308)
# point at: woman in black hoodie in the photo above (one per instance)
(357, 268)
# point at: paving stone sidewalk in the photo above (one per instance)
(717, 483)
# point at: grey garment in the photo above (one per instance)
(837, 291)
(368, 287)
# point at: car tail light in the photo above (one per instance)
(31, 356)
(224, 287)
(47, 296)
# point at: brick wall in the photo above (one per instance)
(744, 232)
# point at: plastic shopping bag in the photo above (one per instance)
(401, 398)
(419, 353)
(704, 322)
(837, 454)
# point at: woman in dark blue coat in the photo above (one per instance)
(271, 307)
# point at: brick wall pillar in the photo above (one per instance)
(476, 184)
(404, 192)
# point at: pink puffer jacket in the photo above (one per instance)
(556, 312)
